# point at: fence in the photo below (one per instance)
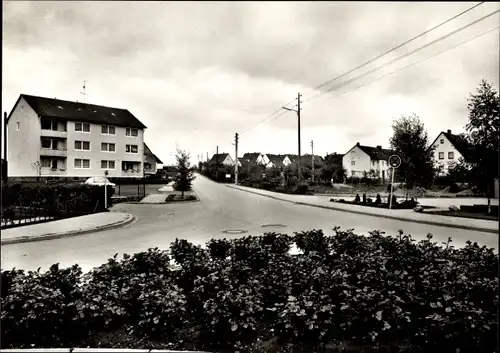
(136, 188)
(29, 203)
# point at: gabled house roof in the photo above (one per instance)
(375, 153)
(459, 142)
(218, 158)
(147, 151)
(276, 159)
(252, 157)
(307, 158)
(82, 112)
(244, 162)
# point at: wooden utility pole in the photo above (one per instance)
(312, 159)
(299, 174)
(298, 120)
(236, 159)
(217, 164)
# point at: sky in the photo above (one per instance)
(195, 73)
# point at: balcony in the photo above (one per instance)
(48, 152)
(137, 173)
(54, 133)
(47, 171)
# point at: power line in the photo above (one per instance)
(417, 62)
(267, 117)
(397, 47)
(406, 55)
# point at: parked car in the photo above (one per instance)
(100, 181)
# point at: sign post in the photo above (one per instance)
(106, 190)
(394, 162)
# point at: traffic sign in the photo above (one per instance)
(394, 161)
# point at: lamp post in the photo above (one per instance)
(106, 173)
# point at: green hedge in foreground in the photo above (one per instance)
(378, 292)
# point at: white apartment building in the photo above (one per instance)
(56, 138)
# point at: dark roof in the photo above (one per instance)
(243, 161)
(307, 158)
(77, 111)
(276, 159)
(251, 157)
(221, 158)
(147, 150)
(460, 143)
(376, 153)
(292, 157)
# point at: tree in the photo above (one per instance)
(410, 142)
(184, 177)
(483, 134)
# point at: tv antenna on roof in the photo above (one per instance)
(84, 92)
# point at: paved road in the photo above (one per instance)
(220, 208)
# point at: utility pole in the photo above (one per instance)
(299, 174)
(312, 155)
(207, 157)
(236, 159)
(84, 93)
(217, 164)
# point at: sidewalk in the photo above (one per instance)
(154, 198)
(400, 215)
(65, 227)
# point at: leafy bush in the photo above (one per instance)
(60, 197)
(369, 291)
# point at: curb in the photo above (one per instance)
(29, 239)
(433, 223)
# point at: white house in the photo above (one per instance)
(151, 162)
(360, 159)
(53, 138)
(256, 158)
(449, 150)
(222, 159)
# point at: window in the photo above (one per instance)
(46, 143)
(82, 145)
(108, 147)
(129, 166)
(82, 163)
(353, 162)
(441, 155)
(45, 162)
(131, 132)
(82, 127)
(441, 141)
(107, 164)
(147, 165)
(107, 130)
(451, 155)
(131, 149)
(18, 126)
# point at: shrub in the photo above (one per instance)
(370, 291)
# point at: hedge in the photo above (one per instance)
(249, 294)
(77, 198)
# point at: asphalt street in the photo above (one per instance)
(220, 209)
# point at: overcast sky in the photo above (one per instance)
(197, 72)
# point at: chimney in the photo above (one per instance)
(357, 143)
(379, 147)
(449, 131)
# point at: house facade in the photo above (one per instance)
(256, 158)
(449, 149)
(222, 159)
(151, 162)
(60, 139)
(360, 159)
